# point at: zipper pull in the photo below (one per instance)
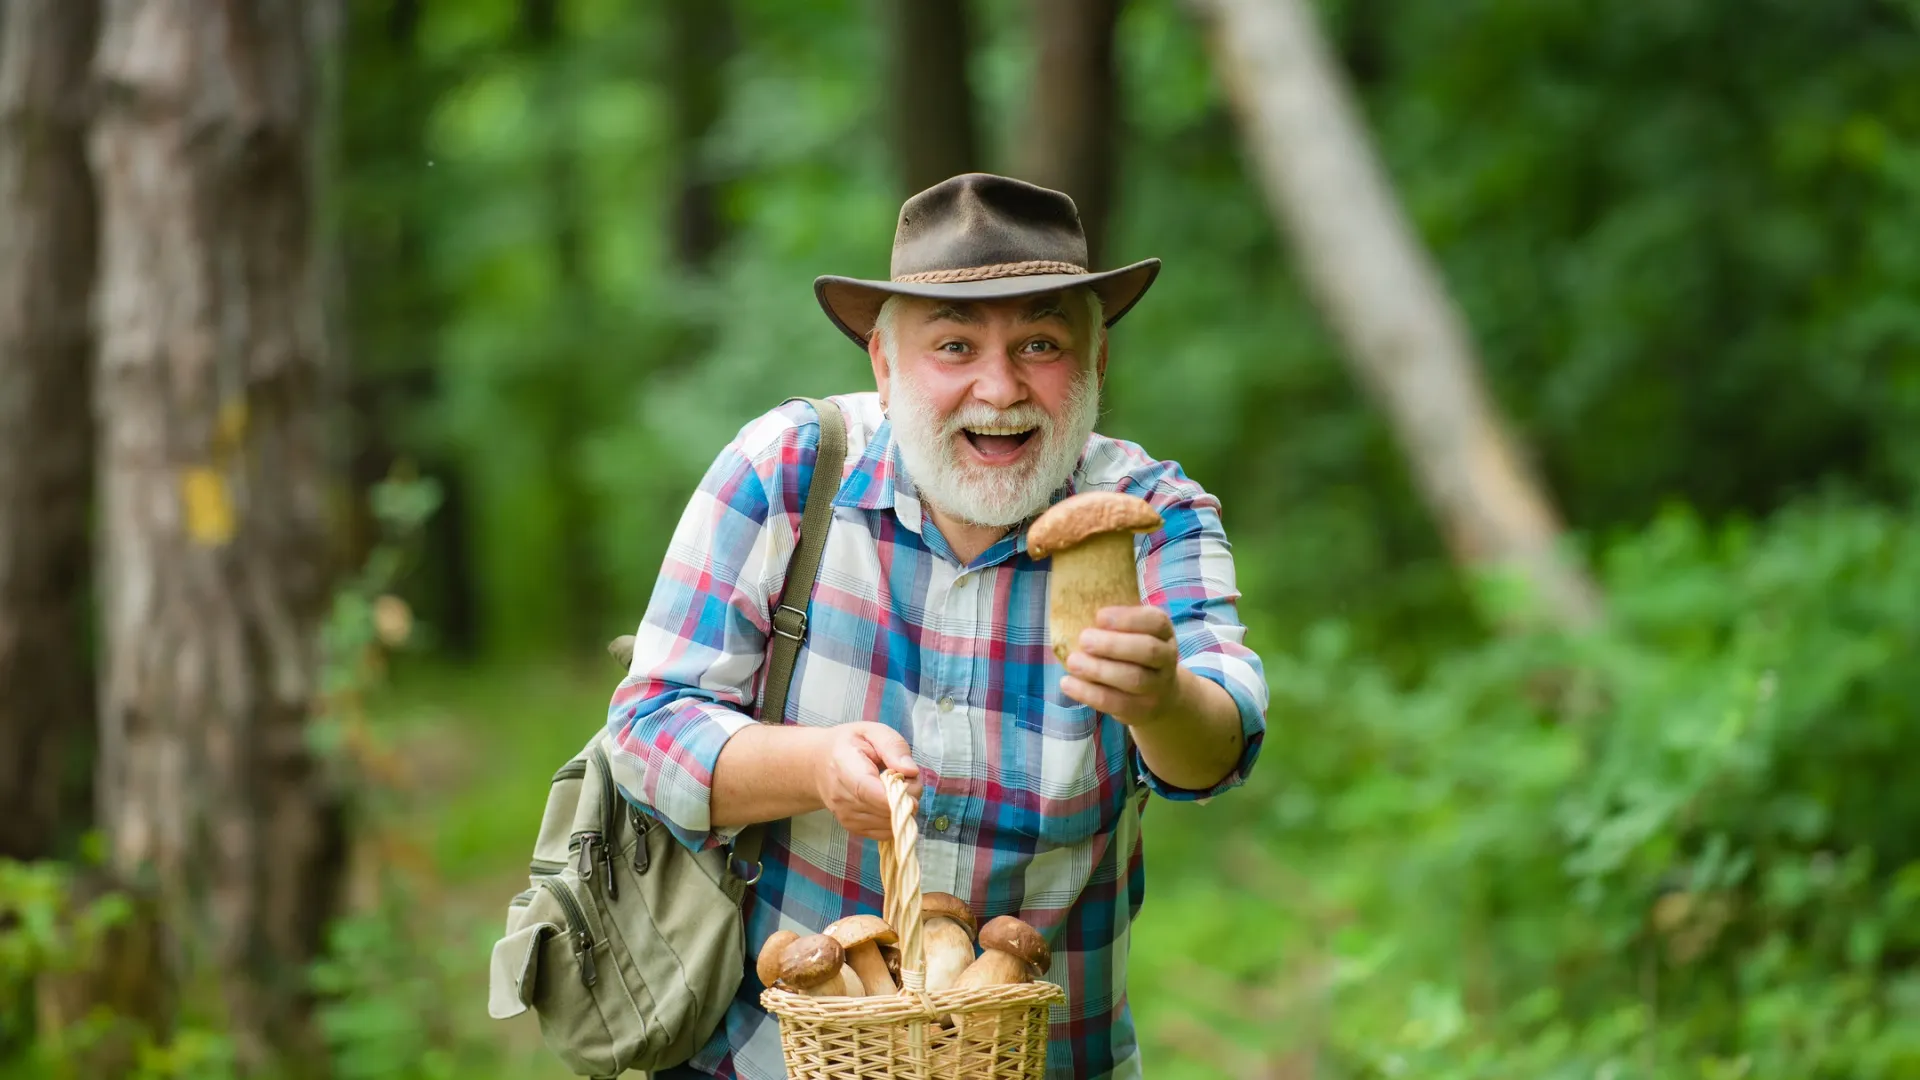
(583, 948)
(613, 883)
(641, 826)
(586, 855)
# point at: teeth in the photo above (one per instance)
(999, 430)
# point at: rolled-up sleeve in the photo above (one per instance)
(1187, 570)
(699, 648)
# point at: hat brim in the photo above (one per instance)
(854, 303)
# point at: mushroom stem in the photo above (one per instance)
(851, 985)
(1098, 572)
(994, 968)
(872, 969)
(949, 949)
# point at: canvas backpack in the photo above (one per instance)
(628, 946)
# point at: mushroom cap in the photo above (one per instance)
(1089, 513)
(1009, 935)
(859, 929)
(940, 905)
(811, 960)
(768, 965)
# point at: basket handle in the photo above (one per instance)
(900, 878)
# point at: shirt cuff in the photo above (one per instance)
(1237, 679)
(664, 763)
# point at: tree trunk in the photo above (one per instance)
(1385, 300)
(931, 99)
(1071, 134)
(700, 36)
(579, 573)
(212, 476)
(46, 421)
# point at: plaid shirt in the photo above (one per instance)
(1032, 801)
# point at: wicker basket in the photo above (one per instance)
(996, 1032)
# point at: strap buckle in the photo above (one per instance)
(794, 624)
(748, 873)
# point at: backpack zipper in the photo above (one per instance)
(596, 845)
(641, 824)
(577, 929)
(609, 818)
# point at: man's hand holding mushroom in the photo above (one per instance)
(1120, 654)
(1127, 666)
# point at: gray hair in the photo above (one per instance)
(883, 324)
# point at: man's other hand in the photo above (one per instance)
(849, 777)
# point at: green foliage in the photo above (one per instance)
(1682, 846)
(395, 983)
(51, 928)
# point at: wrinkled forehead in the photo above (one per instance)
(1040, 308)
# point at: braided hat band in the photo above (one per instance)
(995, 270)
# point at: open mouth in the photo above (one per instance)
(998, 443)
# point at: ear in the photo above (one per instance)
(878, 358)
(1100, 364)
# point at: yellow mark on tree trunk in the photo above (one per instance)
(209, 504)
(230, 426)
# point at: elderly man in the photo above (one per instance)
(926, 644)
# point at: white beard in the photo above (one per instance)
(997, 497)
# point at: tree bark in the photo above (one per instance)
(1385, 300)
(47, 222)
(212, 477)
(1071, 134)
(931, 100)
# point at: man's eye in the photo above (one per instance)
(954, 347)
(1041, 345)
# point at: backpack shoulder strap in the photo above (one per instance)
(790, 618)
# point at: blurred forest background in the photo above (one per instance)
(412, 323)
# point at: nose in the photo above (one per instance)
(997, 380)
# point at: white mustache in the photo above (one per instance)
(973, 416)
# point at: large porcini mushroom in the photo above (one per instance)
(768, 965)
(947, 935)
(1089, 537)
(861, 936)
(815, 965)
(1011, 952)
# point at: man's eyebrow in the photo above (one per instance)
(1047, 307)
(960, 313)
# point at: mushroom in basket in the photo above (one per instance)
(948, 936)
(1089, 537)
(768, 965)
(861, 936)
(1011, 952)
(816, 966)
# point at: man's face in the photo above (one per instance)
(992, 402)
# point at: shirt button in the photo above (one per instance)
(940, 823)
(946, 704)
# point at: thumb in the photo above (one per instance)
(893, 751)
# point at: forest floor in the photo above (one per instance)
(480, 748)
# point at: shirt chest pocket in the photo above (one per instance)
(1071, 768)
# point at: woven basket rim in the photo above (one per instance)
(905, 1007)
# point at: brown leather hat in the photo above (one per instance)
(979, 236)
